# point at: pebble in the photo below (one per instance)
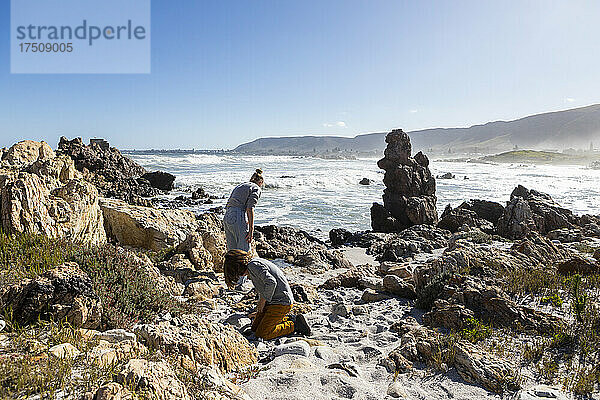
(64, 350)
(2, 325)
(340, 309)
(359, 310)
(299, 348)
(325, 353)
(395, 390)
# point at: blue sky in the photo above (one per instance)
(225, 72)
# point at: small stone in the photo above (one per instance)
(116, 335)
(350, 368)
(365, 181)
(395, 390)
(340, 309)
(359, 310)
(299, 348)
(371, 296)
(325, 353)
(2, 325)
(301, 364)
(64, 350)
(112, 391)
(238, 321)
(370, 352)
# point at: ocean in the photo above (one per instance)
(317, 195)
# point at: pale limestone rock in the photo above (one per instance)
(54, 171)
(371, 296)
(204, 342)
(300, 348)
(40, 204)
(26, 152)
(213, 238)
(157, 378)
(113, 391)
(217, 387)
(64, 350)
(193, 247)
(145, 227)
(543, 392)
(107, 353)
(476, 366)
(116, 335)
(203, 289)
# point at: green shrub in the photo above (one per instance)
(475, 331)
(578, 298)
(553, 299)
(128, 293)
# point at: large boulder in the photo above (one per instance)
(477, 366)
(530, 210)
(48, 197)
(115, 175)
(200, 341)
(156, 378)
(26, 152)
(145, 227)
(297, 247)
(210, 226)
(456, 219)
(409, 197)
(64, 292)
(160, 180)
(411, 241)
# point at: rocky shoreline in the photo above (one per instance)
(104, 295)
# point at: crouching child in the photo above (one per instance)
(276, 297)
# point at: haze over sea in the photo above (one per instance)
(317, 195)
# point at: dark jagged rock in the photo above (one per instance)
(341, 237)
(474, 213)
(409, 197)
(530, 210)
(115, 175)
(488, 210)
(199, 194)
(566, 235)
(416, 239)
(108, 162)
(365, 181)
(487, 261)
(62, 293)
(459, 218)
(160, 180)
(297, 247)
(465, 297)
(578, 265)
(447, 175)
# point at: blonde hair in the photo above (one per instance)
(235, 265)
(257, 176)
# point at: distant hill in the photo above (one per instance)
(574, 128)
(543, 157)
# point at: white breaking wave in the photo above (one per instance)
(317, 195)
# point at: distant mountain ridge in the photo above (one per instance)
(576, 128)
